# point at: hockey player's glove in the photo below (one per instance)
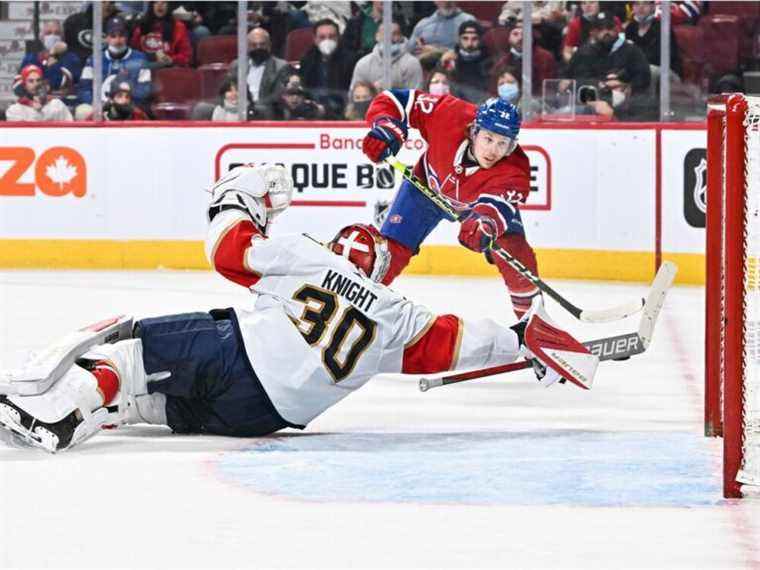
(384, 139)
(479, 230)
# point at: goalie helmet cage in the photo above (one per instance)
(732, 303)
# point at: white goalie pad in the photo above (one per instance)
(47, 367)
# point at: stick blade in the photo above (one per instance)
(656, 299)
(613, 313)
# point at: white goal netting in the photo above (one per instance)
(749, 473)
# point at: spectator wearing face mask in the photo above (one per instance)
(612, 74)
(579, 29)
(326, 69)
(544, 65)
(77, 29)
(120, 62)
(227, 108)
(163, 39)
(33, 103)
(438, 30)
(296, 105)
(119, 106)
(439, 83)
(508, 86)
(267, 74)
(406, 71)
(361, 96)
(61, 67)
(470, 63)
(644, 32)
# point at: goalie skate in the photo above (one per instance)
(557, 351)
(62, 417)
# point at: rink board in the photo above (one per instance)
(605, 203)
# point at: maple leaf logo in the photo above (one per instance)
(61, 172)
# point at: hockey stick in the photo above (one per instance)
(619, 347)
(454, 214)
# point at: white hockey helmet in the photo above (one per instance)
(365, 247)
(264, 190)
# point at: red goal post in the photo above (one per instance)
(732, 295)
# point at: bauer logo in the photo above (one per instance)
(57, 171)
(695, 187)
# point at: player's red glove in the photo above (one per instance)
(384, 139)
(478, 230)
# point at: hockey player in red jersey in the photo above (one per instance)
(320, 328)
(474, 160)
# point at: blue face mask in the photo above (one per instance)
(509, 92)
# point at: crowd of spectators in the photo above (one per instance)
(325, 60)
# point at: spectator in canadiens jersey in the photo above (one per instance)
(474, 160)
(119, 62)
(34, 102)
(320, 328)
(162, 38)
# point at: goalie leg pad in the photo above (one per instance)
(67, 414)
(563, 356)
(50, 365)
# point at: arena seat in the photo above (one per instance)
(721, 44)
(497, 40)
(211, 77)
(176, 90)
(216, 49)
(487, 11)
(691, 47)
(749, 16)
(298, 42)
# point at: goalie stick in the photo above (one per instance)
(455, 214)
(618, 347)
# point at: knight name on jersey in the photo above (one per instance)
(361, 297)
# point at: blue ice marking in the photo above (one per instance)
(560, 467)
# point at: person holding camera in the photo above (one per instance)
(612, 73)
(33, 103)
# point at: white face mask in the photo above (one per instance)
(50, 40)
(117, 50)
(618, 97)
(327, 46)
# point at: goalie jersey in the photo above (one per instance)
(319, 329)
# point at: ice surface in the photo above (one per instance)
(494, 473)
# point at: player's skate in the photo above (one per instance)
(68, 413)
(556, 354)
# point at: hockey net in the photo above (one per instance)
(732, 339)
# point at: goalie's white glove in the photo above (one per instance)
(263, 192)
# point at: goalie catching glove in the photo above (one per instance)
(262, 192)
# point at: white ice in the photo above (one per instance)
(497, 473)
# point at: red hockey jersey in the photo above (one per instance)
(444, 122)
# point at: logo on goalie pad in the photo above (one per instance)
(578, 367)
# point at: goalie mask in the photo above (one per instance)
(363, 246)
(263, 192)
